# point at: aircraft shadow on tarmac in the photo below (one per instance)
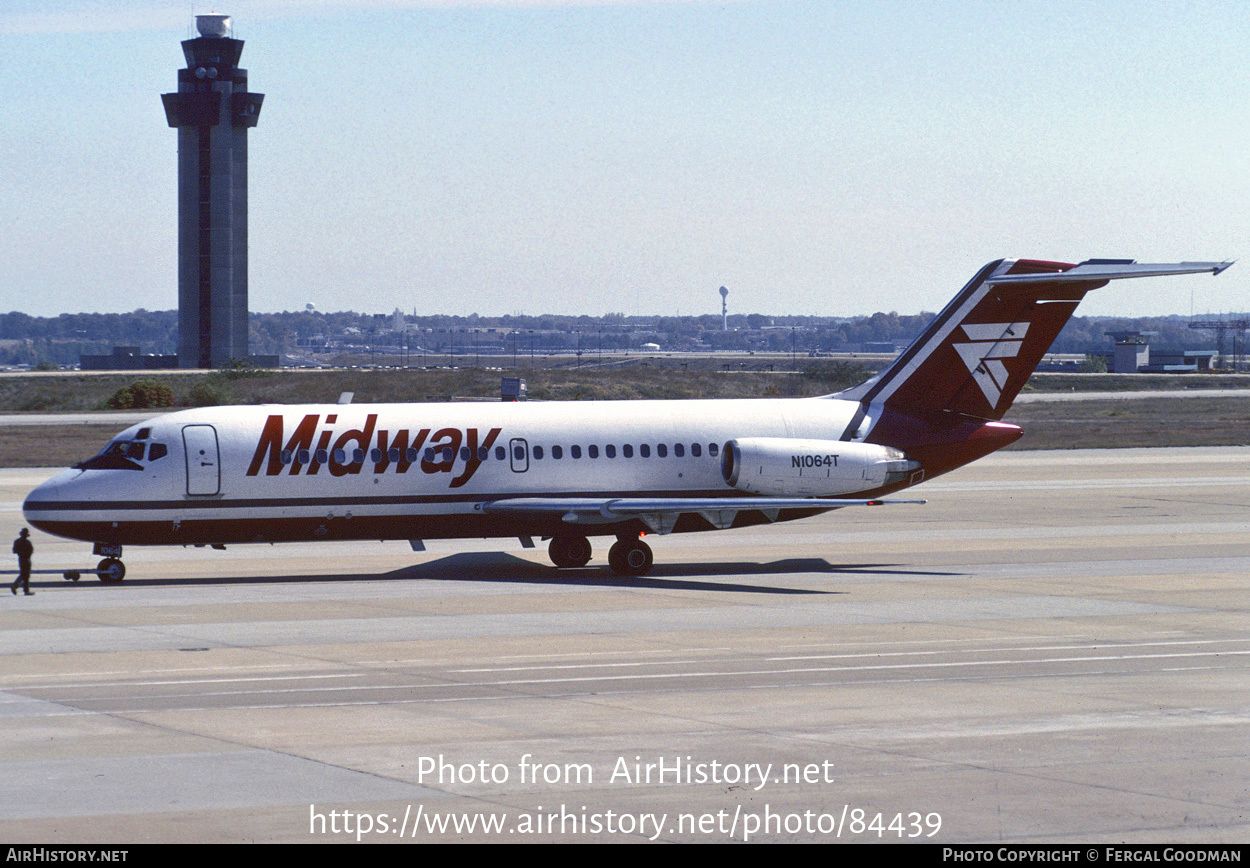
(508, 569)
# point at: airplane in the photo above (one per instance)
(569, 471)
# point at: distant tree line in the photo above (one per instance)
(62, 339)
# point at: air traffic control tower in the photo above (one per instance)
(212, 111)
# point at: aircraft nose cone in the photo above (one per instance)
(44, 492)
(56, 506)
(45, 496)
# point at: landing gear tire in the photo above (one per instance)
(630, 557)
(111, 571)
(569, 551)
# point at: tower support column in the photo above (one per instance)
(212, 111)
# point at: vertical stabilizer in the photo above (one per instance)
(978, 353)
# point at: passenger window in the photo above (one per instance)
(482, 453)
(465, 453)
(713, 449)
(159, 450)
(593, 451)
(644, 451)
(392, 455)
(557, 453)
(679, 450)
(501, 453)
(358, 456)
(411, 454)
(575, 451)
(303, 456)
(322, 457)
(375, 455)
(538, 453)
(627, 450)
(661, 450)
(609, 451)
(340, 456)
(696, 450)
(518, 453)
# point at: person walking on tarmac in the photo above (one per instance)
(23, 549)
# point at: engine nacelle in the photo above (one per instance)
(817, 468)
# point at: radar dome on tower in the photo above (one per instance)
(213, 25)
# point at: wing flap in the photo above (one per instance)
(661, 514)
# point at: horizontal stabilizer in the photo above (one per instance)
(1114, 269)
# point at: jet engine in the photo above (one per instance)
(818, 468)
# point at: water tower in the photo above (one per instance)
(724, 309)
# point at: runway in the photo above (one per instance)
(1055, 648)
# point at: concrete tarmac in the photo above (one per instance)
(1055, 648)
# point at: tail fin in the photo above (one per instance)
(980, 350)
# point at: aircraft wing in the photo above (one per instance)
(660, 514)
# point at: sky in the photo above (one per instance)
(571, 156)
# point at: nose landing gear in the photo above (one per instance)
(111, 571)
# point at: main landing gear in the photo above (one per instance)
(569, 551)
(629, 556)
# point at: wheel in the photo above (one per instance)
(630, 557)
(569, 551)
(558, 551)
(111, 571)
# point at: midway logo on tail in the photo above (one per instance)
(992, 342)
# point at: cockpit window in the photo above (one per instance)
(125, 454)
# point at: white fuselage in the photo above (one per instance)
(404, 471)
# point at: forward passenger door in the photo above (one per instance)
(203, 464)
